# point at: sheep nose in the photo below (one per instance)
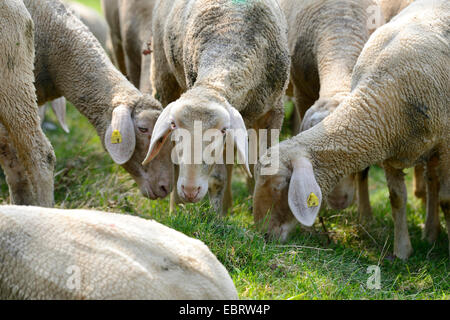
(190, 192)
(163, 190)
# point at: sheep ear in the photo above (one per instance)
(59, 108)
(305, 196)
(120, 138)
(161, 131)
(240, 137)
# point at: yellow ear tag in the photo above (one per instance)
(312, 201)
(116, 137)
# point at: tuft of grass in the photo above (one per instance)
(311, 265)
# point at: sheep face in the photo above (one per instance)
(342, 195)
(201, 128)
(128, 139)
(291, 193)
(271, 211)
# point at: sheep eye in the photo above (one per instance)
(173, 125)
(224, 130)
(143, 130)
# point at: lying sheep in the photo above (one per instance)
(131, 31)
(230, 58)
(70, 62)
(20, 127)
(81, 254)
(326, 38)
(399, 117)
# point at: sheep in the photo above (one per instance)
(20, 127)
(390, 8)
(70, 62)
(83, 254)
(396, 113)
(131, 31)
(231, 60)
(95, 22)
(98, 26)
(325, 40)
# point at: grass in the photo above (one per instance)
(312, 265)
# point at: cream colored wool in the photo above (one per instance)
(231, 62)
(131, 34)
(70, 62)
(81, 254)
(20, 126)
(326, 38)
(397, 113)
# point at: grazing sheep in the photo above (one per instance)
(230, 58)
(82, 254)
(70, 62)
(95, 22)
(20, 128)
(99, 28)
(397, 113)
(131, 29)
(325, 39)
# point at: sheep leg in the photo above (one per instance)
(133, 71)
(218, 182)
(19, 111)
(446, 208)
(145, 82)
(228, 197)
(302, 104)
(19, 187)
(362, 184)
(419, 183)
(432, 224)
(165, 87)
(397, 194)
(444, 194)
(174, 197)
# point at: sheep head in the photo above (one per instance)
(290, 193)
(343, 194)
(127, 140)
(202, 127)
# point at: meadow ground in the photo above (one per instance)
(311, 265)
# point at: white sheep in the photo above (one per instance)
(391, 8)
(131, 34)
(99, 28)
(70, 62)
(230, 58)
(20, 126)
(325, 39)
(82, 254)
(397, 113)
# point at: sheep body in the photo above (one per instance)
(397, 113)
(325, 40)
(21, 133)
(70, 62)
(82, 254)
(230, 58)
(131, 29)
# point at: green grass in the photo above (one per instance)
(312, 265)
(91, 3)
